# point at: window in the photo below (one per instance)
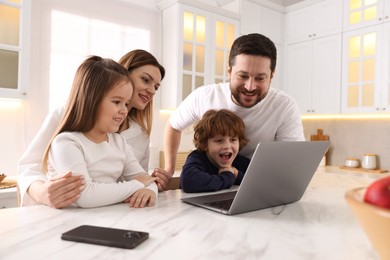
(74, 37)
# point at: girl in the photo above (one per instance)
(146, 74)
(86, 141)
(215, 164)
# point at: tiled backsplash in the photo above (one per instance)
(353, 138)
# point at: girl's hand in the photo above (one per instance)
(141, 198)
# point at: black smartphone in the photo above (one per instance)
(106, 236)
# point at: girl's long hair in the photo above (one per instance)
(94, 78)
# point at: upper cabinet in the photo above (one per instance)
(314, 21)
(361, 13)
(313, 66)
(196, 45)
(14, 48)
(269, 22)
(259, 19)
(313, 74)
(366, 70)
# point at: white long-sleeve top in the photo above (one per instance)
(30, 164)
(101, 164)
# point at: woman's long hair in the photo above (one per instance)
(133, 60)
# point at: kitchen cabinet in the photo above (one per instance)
(196, 45)
(269, 22)
(14, 48)
(363, 13)
(314, 21)
(313, 74)
(366, 72)
(259, 19)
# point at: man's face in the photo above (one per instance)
(250, 78)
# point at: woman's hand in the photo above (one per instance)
(141, 198)
(162, 178)
(59, 192)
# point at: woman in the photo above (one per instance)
(146, 74)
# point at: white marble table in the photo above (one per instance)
(319, 226)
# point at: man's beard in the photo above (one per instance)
(236, 96)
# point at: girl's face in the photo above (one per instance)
(146, 80)
(113, 109)
(222, 150)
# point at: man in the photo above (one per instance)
(269, 114)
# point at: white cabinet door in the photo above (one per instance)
(366, 70)
(326, 73)
(259, 19)
(315, 21)
(314, 75)
(298, 74)
(363, 13)
(250, 18)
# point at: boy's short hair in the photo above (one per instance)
(218, 122)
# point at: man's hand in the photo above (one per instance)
(141, 198)
(59, 192)
(162, 178)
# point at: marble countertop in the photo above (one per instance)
(319, 226)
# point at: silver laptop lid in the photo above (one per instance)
(278, 174)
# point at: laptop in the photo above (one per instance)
(278, 174)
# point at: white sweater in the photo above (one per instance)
(30, 164)
(101, 164)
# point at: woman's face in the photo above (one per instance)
(146, 81)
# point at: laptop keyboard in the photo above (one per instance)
(222, 204)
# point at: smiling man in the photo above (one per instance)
(269, 114)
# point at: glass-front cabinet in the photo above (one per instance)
(14, 51)
(362, 13)
(366, 77)
(196, 45)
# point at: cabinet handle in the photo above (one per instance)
(380, 19)
(314, 34)
(386, 17)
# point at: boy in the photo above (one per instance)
(215, 164)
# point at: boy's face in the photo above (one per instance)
(222, 150)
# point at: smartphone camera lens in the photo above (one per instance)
(132, 234)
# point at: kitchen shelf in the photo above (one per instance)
(359, 169)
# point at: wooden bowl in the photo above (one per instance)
(374, 220)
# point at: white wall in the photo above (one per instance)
(21, 120)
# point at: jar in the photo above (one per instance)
(369, 161)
